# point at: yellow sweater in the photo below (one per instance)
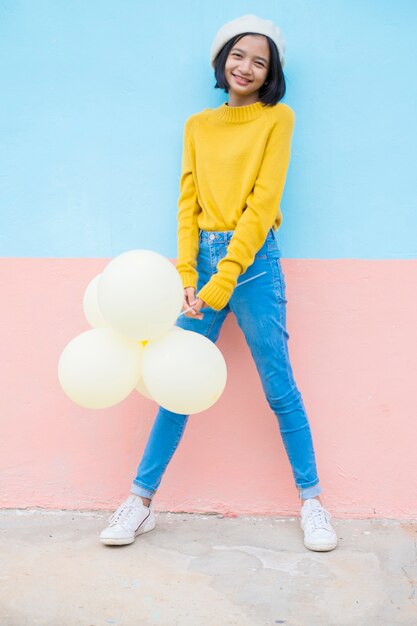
(234, 165)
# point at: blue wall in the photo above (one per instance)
(94, 96)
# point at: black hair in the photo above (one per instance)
(273, 90)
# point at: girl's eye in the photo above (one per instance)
(258, 63)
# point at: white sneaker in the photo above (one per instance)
(132, 518)
(315, 521)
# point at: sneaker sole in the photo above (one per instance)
(119, 541)
(324, 547)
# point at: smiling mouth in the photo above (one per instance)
(241, 78)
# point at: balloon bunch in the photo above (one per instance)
(132, 307)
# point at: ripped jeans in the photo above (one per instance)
(260, 310)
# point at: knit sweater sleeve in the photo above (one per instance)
(188, 211)
(261, 211)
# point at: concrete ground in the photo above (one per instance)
(203, 570)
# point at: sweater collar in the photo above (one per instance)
(240, 114)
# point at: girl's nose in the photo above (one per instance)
(244, 66)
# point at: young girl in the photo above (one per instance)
(235, 160)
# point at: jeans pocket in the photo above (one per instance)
(273, 247)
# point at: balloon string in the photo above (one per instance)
(238, 285)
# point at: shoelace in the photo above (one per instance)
(318, 518)
(122, 515)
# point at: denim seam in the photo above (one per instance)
(316, 482)
(208, 332)
(135, 482)
(211, 252)
(282, 279)
(281, 303)
(175, 446)
(285, 357)
(274, 262)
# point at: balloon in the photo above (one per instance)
(184, 372)
(140, 294)
(90, 305)
(141, 387)
(99, 368)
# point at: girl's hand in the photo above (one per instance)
(196, 303)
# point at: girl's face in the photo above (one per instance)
(246, 66)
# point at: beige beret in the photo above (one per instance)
(247, 24)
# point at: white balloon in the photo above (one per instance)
(99, 368)
(184, 372)
(90, 305)
(140, 294)
(141, 387)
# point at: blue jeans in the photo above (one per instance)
(260, 310)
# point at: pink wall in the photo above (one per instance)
(353, 343)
